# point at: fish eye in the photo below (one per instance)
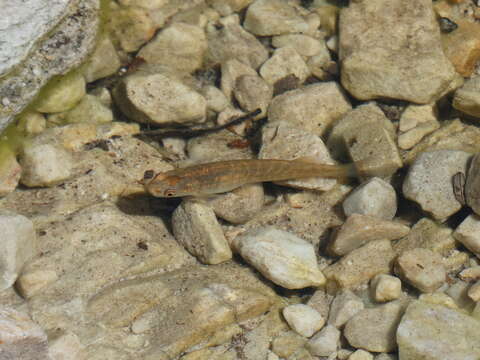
(169, 192)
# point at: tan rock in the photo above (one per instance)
(474, 292)
(467, 233)
(287, 343)
(467, 98)
(10, 172)
(386, 287)
(97, 67)
(285, 61)
(232, 70)
(252, 92)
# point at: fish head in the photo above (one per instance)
(166, 185)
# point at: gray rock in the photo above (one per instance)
(312, 108)
(346, 128)
(416, 122)
(467, 98)
(361, 265)
(375, 329)
(196, 228)
(20, 337)
(468, 233)
(284, 62)
(429, 331)
(45, 165)
(344, 306)
(216, 99)
(304, 319)
(360, 229)
(374, 197)
(282, 141)
(232, 70)
(18, 246)
(303, 44)
(66, 46)
(179, 46)
(169, 100)
(281, 257)
(420, 71)
(422, 268)
(429, 181)
(231, 41)
(321, 301)
(325, 342)
(273, 17)
(472, 184)
(252, 92)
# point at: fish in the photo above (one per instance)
(222, 176)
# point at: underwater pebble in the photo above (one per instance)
(374, 329)
(287, 343)
(470, 273)
(375, 197)
(304, 319)
(359, 229)
(312, 108)
(45, 165)
(252, 92)
(429, 181)
(361, 264)
(474, 292)
(170, 101)
(467, 98)
(422, 268)
(89, 110)
(321, 301)
(96, 66)
(32, 122)
(472, 184)
(18, 246)
(197, 229)
(273, 17)
(416, 122)
(458, 292)
(304, 45)
(232, 70)
(215, 98)
(361, 355)
(343, 307)
(386, 287)
(20, 337)
(10, 172)
(281, 257)
(285, 61)
(67, 346)
(468, 233)
(429, 331)
(325, 342)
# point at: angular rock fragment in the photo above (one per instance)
(252, 92)
(281, 257)
(232, 70)
(285, 61)
(467, 98)
(344, 306)
(325, 342)
(468, 233)
(103, 62)
(386, 287)
(416, 122)
(304, 319)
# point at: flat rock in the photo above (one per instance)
(416, 122)
(281, 257)
(20, 337)
(280, 140)
(360, 229)
(467, 98)
(196, 228)
(231, 41)
(360, 265)
(312, 108)
(372, 34)
(422, 268)
(169, 100)
(468, 233)
(273, 17)
(429, 331)
(285, 61)
(304, 319)
(375, 197)
(72, 28)
(179, 46)
(375, 329)
(429, 181)
(19, 245)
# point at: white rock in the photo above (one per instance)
(422, 268)
(179, 46)
(361, 355)
(45, 165)
(216, 99)
(197, 229)
(231, 71)
(458, 291)
(386, 287)
(284, 61)
(375, 197)
(169, 100)
(429, 181)
(325, 342)
(468, 233)
(304, 319)
(304, 45)
(312, 108)
(18, 246)
(252, 92)
(416, 122)
(345, 305)
(282, 141)
(273, 17)
(429, 331)
(281, 257)
(20, 337)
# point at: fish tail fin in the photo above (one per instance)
(331, 170)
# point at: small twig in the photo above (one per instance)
(189, 133)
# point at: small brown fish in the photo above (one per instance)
(222, 176)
